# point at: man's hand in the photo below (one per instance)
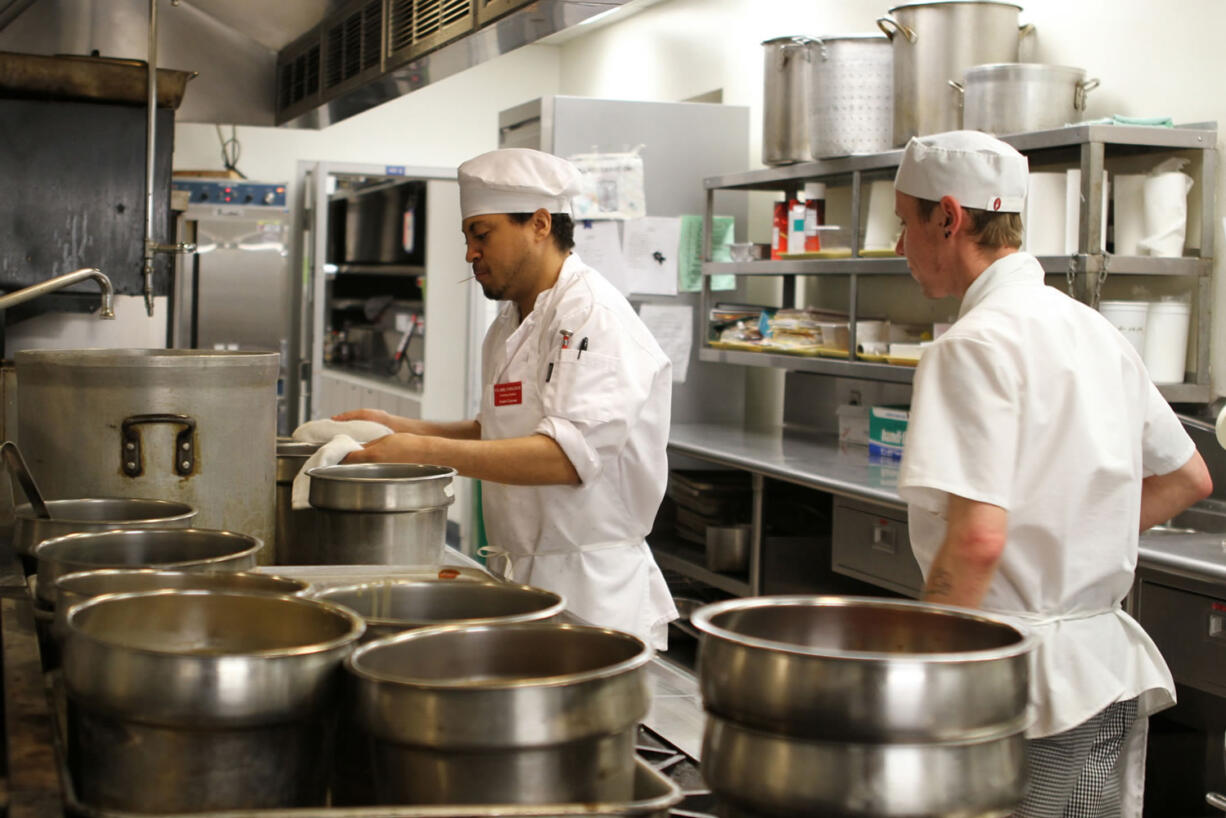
(396, 424)
(402, 447)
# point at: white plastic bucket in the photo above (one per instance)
(1166, 341)
(1130, 318)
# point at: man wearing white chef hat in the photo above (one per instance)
(571, 435)
(1037, 450)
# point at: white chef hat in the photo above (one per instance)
(978, 170)
(516, 180)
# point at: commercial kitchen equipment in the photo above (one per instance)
(196, 427)
(233, 293)
(1014, 97)
(935, 42)
(519, 713)
(388, 513)
(224, 697)
(787, 100)
(182, 549)
(390, 606)
(852, 102)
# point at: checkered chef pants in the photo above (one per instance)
(1095, 770)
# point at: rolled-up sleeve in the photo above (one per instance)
(595, 396)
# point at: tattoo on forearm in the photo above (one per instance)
(940, 583)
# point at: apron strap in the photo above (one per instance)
(496, 552)
(1036, 619)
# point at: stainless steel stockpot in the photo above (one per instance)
(935, 42)
(185, 549)
(522, 713)
(188, 701)
(380, 513)
(853, 95)
(861, 668)
(1015, 97)
(769, 774)
(296, 529)
(394, 605)
(73, 589)
(194, 426)
(95, 514)
(787, 100)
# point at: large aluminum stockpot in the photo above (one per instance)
(193, 426)
(380, 513)
(853, 95)
(787, 100)
(523, 713)
(935, 42)
(394, 605)
(861, 668)
(185, 549)
(73, 589)
(769, 774)
(294, 527)
(1015, 97)
(187, 701)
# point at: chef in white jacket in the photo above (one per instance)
(570, 438)
(1037, 450)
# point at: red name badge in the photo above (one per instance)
(508, 394)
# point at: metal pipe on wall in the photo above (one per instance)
(152, 58)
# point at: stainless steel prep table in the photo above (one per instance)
(820, 462)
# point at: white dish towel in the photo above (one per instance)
(339, 438)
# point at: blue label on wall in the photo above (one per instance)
(395, 170)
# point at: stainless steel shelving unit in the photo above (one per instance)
(1086, 145)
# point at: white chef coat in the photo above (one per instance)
(1033, 402)
(607, 406)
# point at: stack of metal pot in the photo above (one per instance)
(861, 706)
(527, 713)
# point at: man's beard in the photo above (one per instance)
(495, 292)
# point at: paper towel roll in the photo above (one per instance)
(1043, 217)
(1165, 213)
(1072, 212)
(882, 230)
(1129, 218)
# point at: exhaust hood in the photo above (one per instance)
(301, 63)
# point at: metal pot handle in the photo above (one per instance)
(1215, 800)
(130, 455)
(1025, 31)
(961, 89)
(899, 28)
(1079, 96)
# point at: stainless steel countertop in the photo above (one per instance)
(820, 462)
(817, 461)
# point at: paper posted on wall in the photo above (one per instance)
(611, 186)
(651, 246)
(599, 245)
(673, 328)
(691, 252)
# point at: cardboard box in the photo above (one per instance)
(887, 430)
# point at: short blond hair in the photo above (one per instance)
(990, 230)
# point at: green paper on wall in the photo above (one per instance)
(690, 266)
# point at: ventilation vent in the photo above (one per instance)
(353, 43)
(298, 77)
(418, 26)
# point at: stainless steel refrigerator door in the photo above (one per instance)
(242, 283)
